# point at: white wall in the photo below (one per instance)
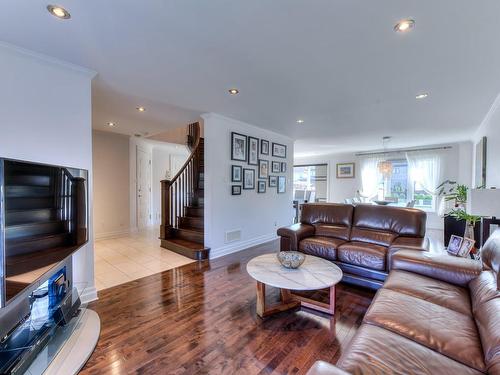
(111, 184)
(490, 128)
(257, 215)
(142, 144)
(457, 165)
(45, 116)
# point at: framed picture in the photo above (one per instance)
(283, 167)
(264, 147)
(345, 170)
(454, 244)
(279, 150)
(261, 186)
(480, 167)
(466, 247)
(273, 181)
(275, 167)
(281, 184)
(263, 168)
(248, 179)
(236, 171)
(253, 151)
(235, 190)
(238, 147)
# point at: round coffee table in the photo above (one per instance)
(315, 273)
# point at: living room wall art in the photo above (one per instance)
(275, 167)
(261, 186)
(263, 169)
(281, 184)
(273, 181)
(253, 151)
(264, 147)
(248, 179)
(236, 172)
(235, 190)
(345, 170)
(279, 150)
(238, 147)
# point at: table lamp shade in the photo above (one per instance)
(484, 202)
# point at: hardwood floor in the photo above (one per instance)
(200, 319)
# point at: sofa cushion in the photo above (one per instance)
(363, 254)
(483, 288)
(324, 247)
(444, 330)
(329, 219)
(376, 350)
(488, 322)
(432, 290)
(377, 237)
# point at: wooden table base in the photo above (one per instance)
(291, 301)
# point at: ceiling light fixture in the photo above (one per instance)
(58, 12)
(404, 25)
(111, 124)
(300, 121)
(233, 91)
(422, 96)
(141, 109)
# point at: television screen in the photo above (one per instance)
(44, 219)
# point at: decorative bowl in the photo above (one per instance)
(291, 259)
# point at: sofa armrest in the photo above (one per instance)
(406, 243)
(292, 235)
(441, 266)
(325, 368)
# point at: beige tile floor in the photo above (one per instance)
(123, 259)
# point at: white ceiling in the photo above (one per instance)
(335, 63)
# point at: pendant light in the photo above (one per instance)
(385, 167)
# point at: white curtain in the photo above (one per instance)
(370, 177)
(425, 168)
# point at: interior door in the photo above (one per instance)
(143, 188)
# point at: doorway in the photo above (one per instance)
(143, 188)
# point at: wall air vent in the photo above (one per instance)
(232, 236)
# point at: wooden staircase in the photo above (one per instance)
(182, 226)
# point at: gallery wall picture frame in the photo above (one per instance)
(281, 184)
(275, 167)
(279, 150)
(264, 147)
(248, 179)
(283, 167)
(273, 181)
(253, 150)
(239, 147)
(263, 168)
(261, 186)
(345, 170)
(236, 173)
(235, 190)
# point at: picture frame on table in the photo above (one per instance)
(345, 170)
(283, 167)
(238, 147)
(248, 179)
(454, 244)
(253, 151)
(281, 184)
(279, 150)
(275, 167)
(235, 190)
(264, 147)
(263, 168)
(236, 173)
(261, 186)
(466, 247)
(273, 181)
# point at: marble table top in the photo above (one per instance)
(315, 273)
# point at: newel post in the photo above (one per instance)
(166, 225)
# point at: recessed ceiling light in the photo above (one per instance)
(422, 96)
(233, 91)
(58, 12)
(404, 25)
(111, 124)
(141, 109)
(300, 121)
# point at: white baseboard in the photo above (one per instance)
(241, 245)
(108, 235)
(89, 295)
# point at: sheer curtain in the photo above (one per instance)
(425, 169)
(370, 178)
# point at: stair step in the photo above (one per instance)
(21, 246)
(190, 249)
(189, 222)
(190, 235)
(29, 180)
(15, 217)
(197, 211)
(27, 191)
(34, 229)
(29, 203)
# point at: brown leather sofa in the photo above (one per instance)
(436, 314)
(359, 239)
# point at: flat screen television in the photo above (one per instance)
(43, 220)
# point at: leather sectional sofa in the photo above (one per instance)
(359, 239)
(436, 314)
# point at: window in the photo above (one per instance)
(310, 182)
